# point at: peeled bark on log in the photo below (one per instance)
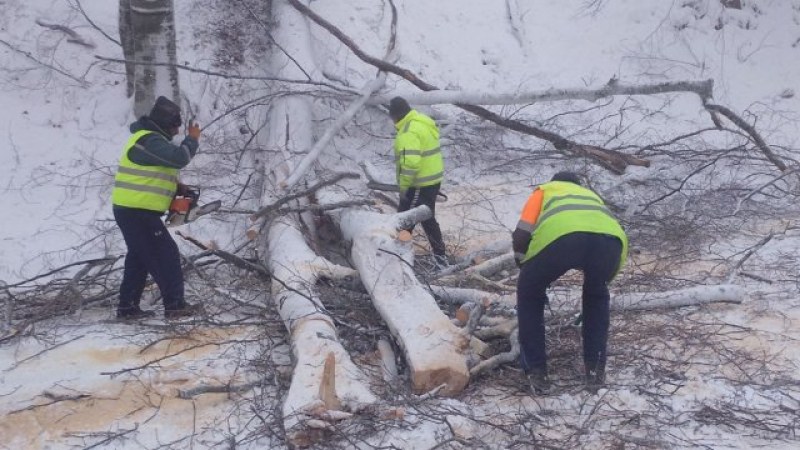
(324, 377)
(433, 347)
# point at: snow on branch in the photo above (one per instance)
(698, 295)
(702, 88)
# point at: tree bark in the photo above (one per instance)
(152, 35)
(127, 38)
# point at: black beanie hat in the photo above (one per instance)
(398, 108)
(570, 177)
(165, 113)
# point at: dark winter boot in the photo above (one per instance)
(595, 376)
(133, 313)
(540, 384)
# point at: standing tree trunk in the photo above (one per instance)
(147, 33)
(127, 39)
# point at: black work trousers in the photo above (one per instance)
(425, 195)
(151, 250)
(597, 255)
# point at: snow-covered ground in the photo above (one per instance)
(723, 376)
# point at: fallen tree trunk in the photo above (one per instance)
(324, 377)
(434, 348)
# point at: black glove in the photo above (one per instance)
(184, 190)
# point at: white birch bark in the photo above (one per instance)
(295, 269)
(434, 348)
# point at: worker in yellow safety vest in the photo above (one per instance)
(566, 226)
(144, 186)
(420, 168)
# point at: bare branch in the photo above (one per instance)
(610, 159)
(741, 123)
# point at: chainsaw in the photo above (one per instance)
(184, 207)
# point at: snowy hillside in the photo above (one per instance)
(705, 204)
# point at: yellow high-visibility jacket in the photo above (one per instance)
(417, 154)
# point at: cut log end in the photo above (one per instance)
(252, 233)
(404, 236)
(454, 380)
(327, 388)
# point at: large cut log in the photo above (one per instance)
(434, 348)
(324, 377)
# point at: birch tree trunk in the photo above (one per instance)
(148, 37)
(126, 38)
(326, 385)
(324, 378)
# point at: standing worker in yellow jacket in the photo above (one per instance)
(145, 183)
(420, 168)
(565, 226)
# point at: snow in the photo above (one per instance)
(61, 133)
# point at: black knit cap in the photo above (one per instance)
(570, 177)
(398, 108)
(165, 113)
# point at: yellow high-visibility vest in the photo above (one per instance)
(143, 187)
(569, 208)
